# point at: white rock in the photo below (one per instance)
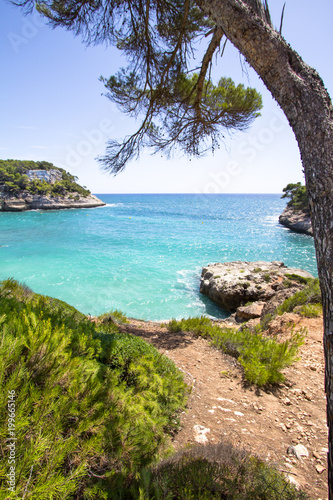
(200, 434)
(298, 451)
(293, 481)
(225, 399)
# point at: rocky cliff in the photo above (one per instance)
(26, 201)
(250, 287)
(296, 220)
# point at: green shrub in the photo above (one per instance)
(196, 325)
(311, 310)
(262, 358)
(92, 408)
(114, 316)
(310, 294)
(299, 279)
(287, 283)
(264, 322)
(213, 472)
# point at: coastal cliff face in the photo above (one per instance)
(296, 220)
(26, 201)
(234, 284)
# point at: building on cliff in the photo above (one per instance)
(50, 176)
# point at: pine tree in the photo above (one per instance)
(158, 38)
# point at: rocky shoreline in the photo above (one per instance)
(296, 220)
(27, 201)
(251, 290)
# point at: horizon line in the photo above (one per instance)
(194, 194)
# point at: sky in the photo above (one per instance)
(52, 109)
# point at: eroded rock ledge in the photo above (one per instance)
(40, 202)
(296, 220)
(233, 285)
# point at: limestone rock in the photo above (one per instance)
(251, 324)
(233, 284)
(42, 202)
(278, 299)
(293, 481)
(281, 323)
(296, 220)
(13, 205)
(298, 451)
(200, 434)
(252, 311)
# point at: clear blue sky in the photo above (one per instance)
(52, 109)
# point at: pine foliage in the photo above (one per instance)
(92, 407)
(298, 196)
(166, 84)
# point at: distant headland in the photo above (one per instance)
(30, 185)
(296, 215)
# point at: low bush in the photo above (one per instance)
(298, 278)
(311, 310)
(213, 472)
(92, 407)
(262, 358)
(310, 294)
(115, 316)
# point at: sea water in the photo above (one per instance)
(143, 254)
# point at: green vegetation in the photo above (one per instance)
(93, 406)
(310, 294)
(299, 279)
(114, 316)
(298, 196)
(311, 310)
(306, 302)
(262, 358)
(13, 179)
(214, 472)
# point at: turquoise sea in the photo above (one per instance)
(143, 254)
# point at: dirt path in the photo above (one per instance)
(266, 423)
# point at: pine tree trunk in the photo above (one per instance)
(306, 103)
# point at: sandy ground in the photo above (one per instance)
(264, 422)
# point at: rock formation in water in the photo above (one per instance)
(296, 220)
(249, 287)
